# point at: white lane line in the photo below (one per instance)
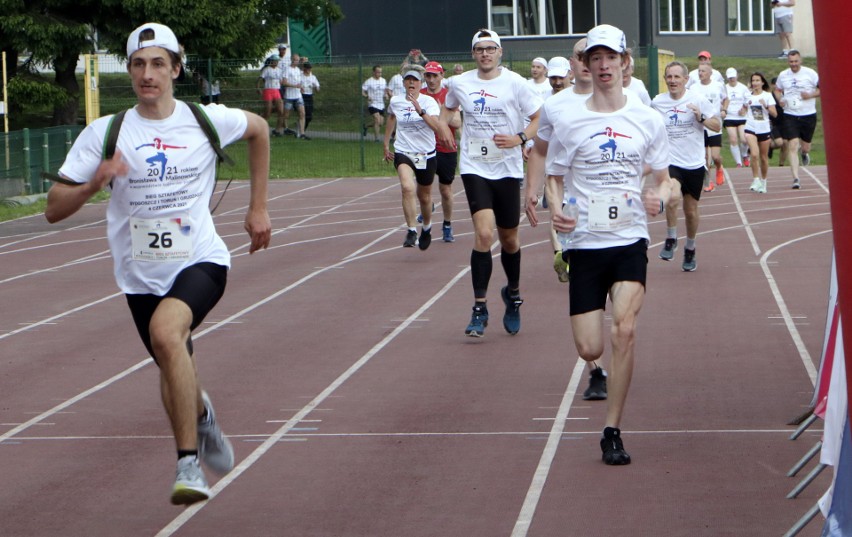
(270, 442)
(823, 186)
(525, 517)
(50, 320)
(740, 211)
(782, 305)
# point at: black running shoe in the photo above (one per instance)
(597, 386)
(410, 239)
(425, 239)
(613, 448)
(512, 317)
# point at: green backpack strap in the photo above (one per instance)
(210, 131)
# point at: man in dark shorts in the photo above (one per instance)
(686, 114)
(448, 157)
(797, 90)
(495, 102)
(168, 259)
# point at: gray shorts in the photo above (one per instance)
(784, 24)
(290, 104)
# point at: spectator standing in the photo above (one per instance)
(782, 13)
(292, 83)
(310, 85)
(270, 79)
(415, 57)
(373, 89)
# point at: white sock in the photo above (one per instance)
(735, 151)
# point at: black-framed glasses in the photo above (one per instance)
(482, 50)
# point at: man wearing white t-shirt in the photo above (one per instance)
(797, 89)
(635, 84)
(415, 117)
(291, 82)
(603, 146)
(704, 57)
(495, 102)
(718, 97)
(374, 90)
(782, 13)
(168, 259)
(538, 80)
(686, 114)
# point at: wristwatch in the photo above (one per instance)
(703, 117)
(523, 137)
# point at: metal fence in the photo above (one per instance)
(341, 135)
(29, 152)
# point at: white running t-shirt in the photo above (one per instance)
(496, 106)
(685, 132)
(413, 135)
(158, 217)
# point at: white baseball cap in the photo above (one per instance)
(485, 34)
(540, 61)
(413, 73)
(558, 66)
(605, 35)
(731, 73)
(163, 37)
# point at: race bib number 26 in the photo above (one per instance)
(161, 239)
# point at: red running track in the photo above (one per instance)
(339, 368)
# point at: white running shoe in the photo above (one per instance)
(762, 188)
(213, 448)
(755, 185)
(190, 484)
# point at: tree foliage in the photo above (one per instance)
(56, 32)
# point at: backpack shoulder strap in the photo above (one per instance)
(111, 136)
(210, 131)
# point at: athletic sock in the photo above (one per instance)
(512, 268)
(187, 453)
(671, 232)
(480, 272)
(735, 151)
(690, 244)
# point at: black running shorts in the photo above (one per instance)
(593, 272)
(801, 127)
(447, 164)
(199, 286)
(503, 196)
(424, 177)
(691, 181)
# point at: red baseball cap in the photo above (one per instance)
(434, 67)
(705, 54)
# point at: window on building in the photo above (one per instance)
(749, 16)
(542, 17)
(683, 16)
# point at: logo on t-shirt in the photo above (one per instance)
(479, 104)
(674, 118)
(610, 145)
(159, 158)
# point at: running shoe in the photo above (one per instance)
(560, 266)
(597, 386)
(762, 188)
(710, 187)
(689, 262)
(755, 185)
(190, 485)
(669, 248)
(420, 215)
(478, 321)
(214, 449)
(447, 230)
(290, 131)
(746, 161)
(796, 184)
(806, 159)
(613, 447)
(512, 317)
(303, 137)
(410, 239)
(425, 239)
(720, 176)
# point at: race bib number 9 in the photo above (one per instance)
(609, 213)
(484, 150)
(161, 239)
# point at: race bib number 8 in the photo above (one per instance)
(609, 213)
(161, 240)
(484, 150)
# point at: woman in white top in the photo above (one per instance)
(757, 109)
(414, 116)
(738, 93)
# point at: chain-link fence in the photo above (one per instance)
(341, 144)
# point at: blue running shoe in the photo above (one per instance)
(512, 317)
(478, 321)
(448, 233)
